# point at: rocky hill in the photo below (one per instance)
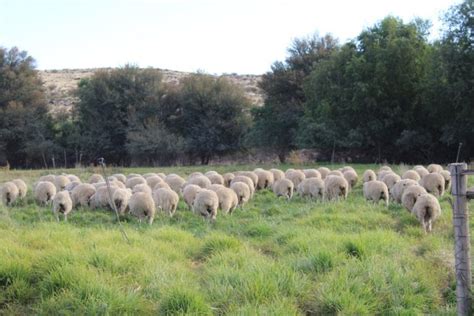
(60, 86)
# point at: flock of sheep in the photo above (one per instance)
(205, 194)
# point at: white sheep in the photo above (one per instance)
(9, 193)
(284, 187)
(195, 174)
(199, 180)
(161, 175)
(175, 182)
(295, 176)
(426, 209)
(49, 178)
(422, 171)
(434, 168)
(447, 179)
(228, 200)
(311, 173)
(335, 187)
(153, 180)
(351, 176)
(385, 168)
(312, 187)
(96, 178)
(396, 192)
(62, 204)
(277, 174)
(60, 182)
(346, 168)
(206, 204)
(22, 188)
(335, 173)
(142, 188)
(142, 205)
(410, 195)
(120, 177)
(216, 178)
(121, 198)
(82, 194)
(242, 191)
(433, 183)
(149, 174)
(44, 192)
(390, 179)
(211, 172)
(131, 182)
(71, 185)
(101, 198)
(189, 194)
(252, 175)
(245, 180)
(376, 191)
(166, 200)
(411, 174)
(383, 173)
(73, 178)
(265, 179)
(324, 172)
(161, 185)
(215, 187)
(369, 175)
(133, 175)
(228, 178)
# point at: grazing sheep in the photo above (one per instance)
(265, 179)
(121, 198)
(71, 185)
(73, 178)
(161, 185)
(96, 178)
(206, 204)
(175, 182)
(411, 174)
(149, 174)
(153, 180)
(215, 187)
(118, 184)
(189, 194)
(60, 182)
(131, 182)
(396, 192)
(383, 173)
(211, 172)
(434, 168)
(22, 188)
(49, 178)
(82, 194)
(277, 174)
(201, 181)
(385, 168)
(120, 177)
(433, 183)
(44, 192)
(142, 188)
(426, 209)
(447, 179)
(335, 187)
(369, 175)
(216, 179)
(295, 176)
(410, 195)
(245, 180)
(142, 205)
(284, 187)
(376, 191)
(351, 176)
(335, 173)
(101, 198)
(242, 191)
(324, 172)
(390, 179)
(422, 171)
(252, 175)
(346, 168)
(195, 174)
(62, 204)
(311, 173)
(312, 187)
(228, 178)
(133, 175)
(166, 200)
(228, 200)
(9, 193)
(161, 175)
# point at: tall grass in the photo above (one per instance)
(272, 258)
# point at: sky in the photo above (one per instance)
(226, 36)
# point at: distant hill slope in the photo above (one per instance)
(61, 84)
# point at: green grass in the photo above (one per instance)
(272, 258)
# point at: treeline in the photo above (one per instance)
(389, 94)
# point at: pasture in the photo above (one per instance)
(274, 257)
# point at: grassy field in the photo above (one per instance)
(272, 258)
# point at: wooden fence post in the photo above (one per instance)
(461, 236)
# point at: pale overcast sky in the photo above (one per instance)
(226, 36)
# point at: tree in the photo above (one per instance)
(24, 121)
(276, 123)
(210, 114)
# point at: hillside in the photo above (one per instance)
(61, 84)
